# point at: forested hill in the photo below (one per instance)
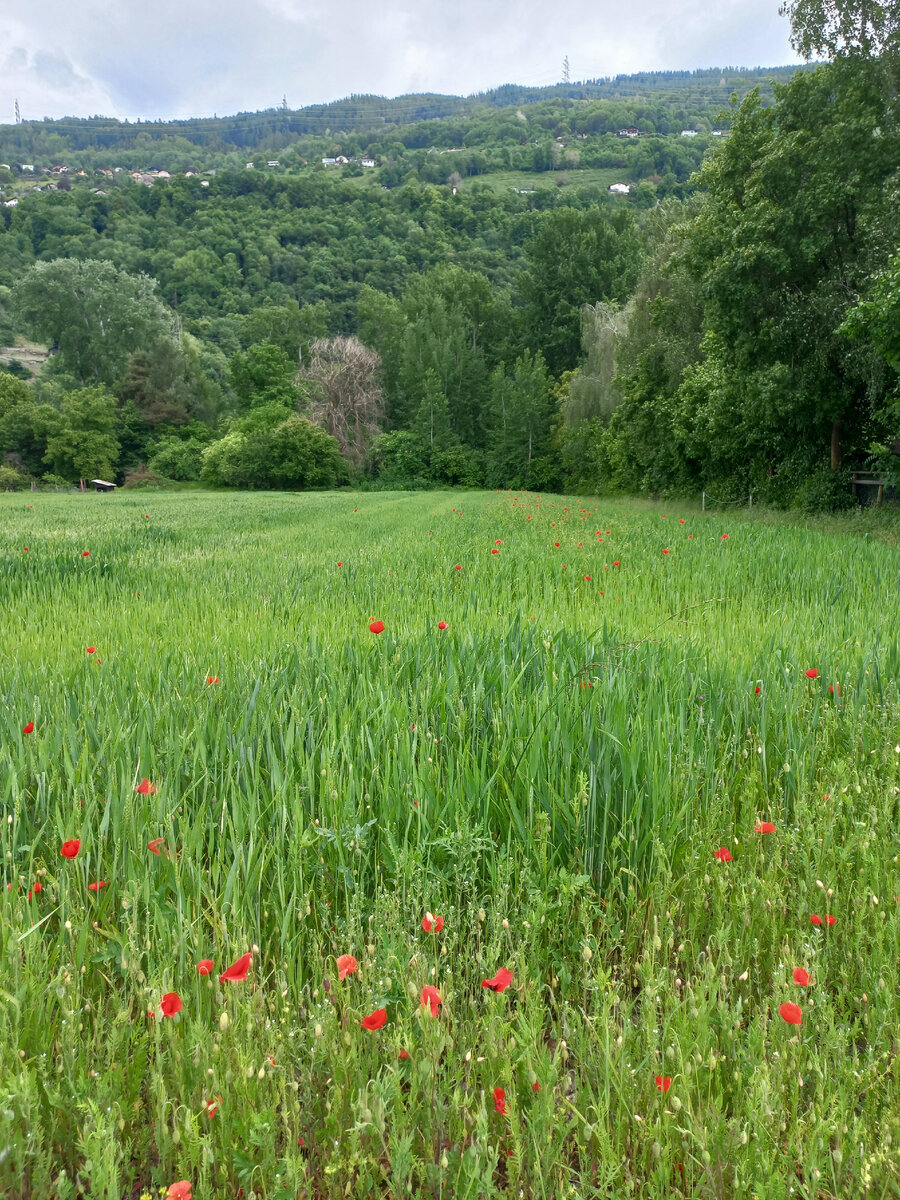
(530, 295)
(667, 101)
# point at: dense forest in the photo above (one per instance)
(729, 323)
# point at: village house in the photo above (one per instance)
(630, 131)
(620, 189)
(689, 133)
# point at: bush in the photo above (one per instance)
(293, 454)
(12, 480)
(178, 459)
(142, 477)
(824, 490)
(401, 460)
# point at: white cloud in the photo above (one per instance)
(196, 57)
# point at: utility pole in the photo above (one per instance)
(18, 114)
(566, 78)
(284, 102)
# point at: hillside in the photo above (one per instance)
(668, 100)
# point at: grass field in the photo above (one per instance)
(570, 774)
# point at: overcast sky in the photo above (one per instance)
(179, 58)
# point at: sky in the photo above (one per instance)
(181, 58)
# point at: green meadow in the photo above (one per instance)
(575, 774)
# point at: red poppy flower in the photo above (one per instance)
(792, 1013)
(85, 554)
(146, 516)
(404, 1054)
(500, 1101)
(724, 537)
(681, 520)
(458, 567)
(498, 542)
(25, 548)
(38, 887)
(758, 690)
(829, 920)
(212, 679)
(340, 564)
(90, 650)
(536, 1087)
(663, 1082)
(95, 887)
(431, 998)
(764, 827)
(442, 624)
(154, 846)
(665, 552)
(346, 965)
(375, 1019)
(723, 854)
(811, 673)
(170, 1004)
(145, 787)
(70, 849)
(179, 1191)
(616, 564)
(556, 544)
(237, 972)
(816, 919)
(205, 966)
(432, 921)
(801, 977)
(211, 1109)
(500, 982)
(29, 728)
(376, 627)
(495, 551)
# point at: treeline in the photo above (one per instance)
(301, 332)
(694, 94)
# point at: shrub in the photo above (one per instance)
(12, 480)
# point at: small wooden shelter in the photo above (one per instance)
(102, 486)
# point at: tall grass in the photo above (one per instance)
(551, 772)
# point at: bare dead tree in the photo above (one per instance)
(345, 396)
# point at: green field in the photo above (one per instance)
(552, 774)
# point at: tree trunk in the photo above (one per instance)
(836, 428)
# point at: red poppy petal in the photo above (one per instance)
(375, 1020)
(792, 1013)
(500, 982)
(170, 1004)
(237, 972)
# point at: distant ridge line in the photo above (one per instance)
(360, 112)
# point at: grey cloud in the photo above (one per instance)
(195, 57)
